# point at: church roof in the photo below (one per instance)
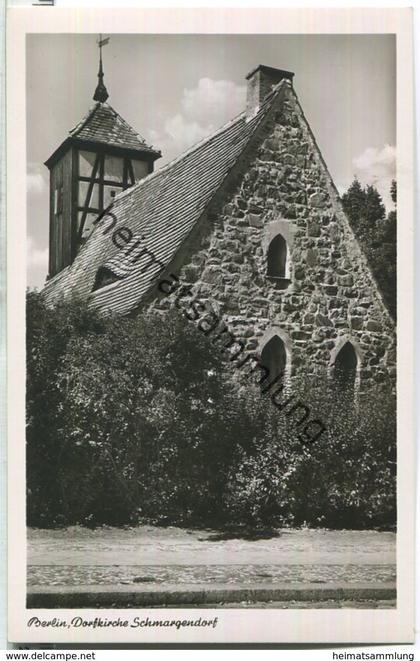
(161, 211)
(103, 124)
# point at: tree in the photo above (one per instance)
(376, 232)
(49, 333)
(385, 256)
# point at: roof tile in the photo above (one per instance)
(104, 124)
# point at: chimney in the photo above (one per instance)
(260, 83)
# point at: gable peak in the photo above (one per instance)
(261, 81)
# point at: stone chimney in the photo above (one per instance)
(260, 83)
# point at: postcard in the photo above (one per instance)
(210, 325)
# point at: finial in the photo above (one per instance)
(101, 93)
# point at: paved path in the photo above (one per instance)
(149, 559)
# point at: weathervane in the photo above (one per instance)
(101, 93)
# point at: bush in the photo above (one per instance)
(135, 420)
(345, 480)
(49, 335)
(124, 421)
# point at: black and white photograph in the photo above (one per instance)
(210, 328)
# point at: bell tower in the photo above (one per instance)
(102, 156)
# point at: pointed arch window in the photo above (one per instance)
(278, 260)
(345, 366)
(274, 357)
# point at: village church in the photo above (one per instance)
(248, 218)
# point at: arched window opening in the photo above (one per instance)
(274, 357)
(345, 365)
(277, 260)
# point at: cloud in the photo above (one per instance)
(377, 167)
(377, 164)
(204, 109)
(36, 182)
(184, 133)
(36, 256)
(213, 102)
(36, 264)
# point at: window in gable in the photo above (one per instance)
(277, 260)
(345, 365)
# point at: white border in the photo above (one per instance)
(235, 625)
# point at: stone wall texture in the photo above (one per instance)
(284, 187)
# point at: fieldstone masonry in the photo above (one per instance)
(330, 296)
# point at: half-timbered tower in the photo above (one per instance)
(101, 156)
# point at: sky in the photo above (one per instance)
(177, 89)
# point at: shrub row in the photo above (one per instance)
(140, 420)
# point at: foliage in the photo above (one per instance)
(140, 419)
(124, 417)
(377, 233)
(49, 335)
(345, 480)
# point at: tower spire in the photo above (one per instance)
(101, 93)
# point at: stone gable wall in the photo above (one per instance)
(332, 296)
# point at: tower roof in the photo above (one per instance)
(103, 124)
(104, 127)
